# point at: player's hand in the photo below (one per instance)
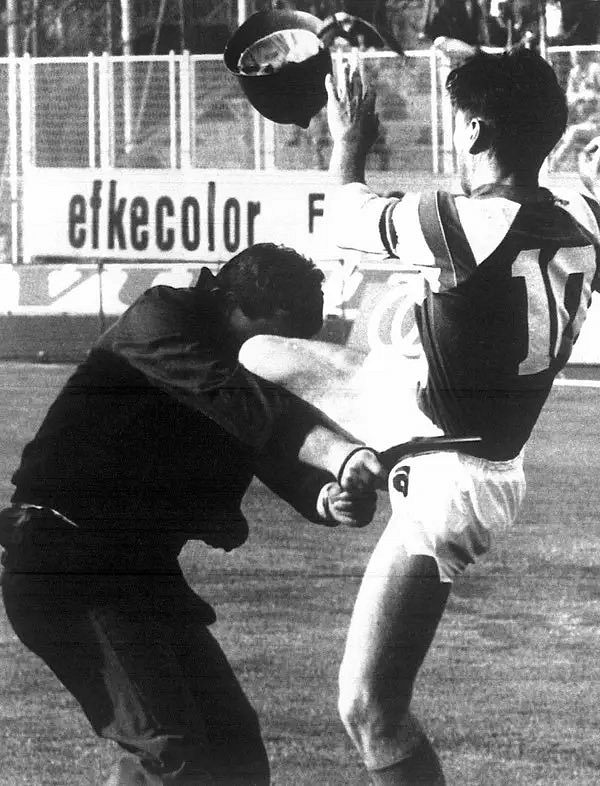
(362, 472)
(349, 508)
(351, 111)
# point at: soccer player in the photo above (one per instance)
(508, 268)
(152, 442)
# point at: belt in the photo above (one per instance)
(18, 520)
(45, 509)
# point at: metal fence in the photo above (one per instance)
(182, 111)
(188, 110)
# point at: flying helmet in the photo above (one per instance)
(281, 57)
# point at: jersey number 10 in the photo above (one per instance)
(558, 286)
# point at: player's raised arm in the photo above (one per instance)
(357, 216)
(353, 125)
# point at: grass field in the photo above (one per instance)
(510, 691)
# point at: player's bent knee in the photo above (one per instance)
(314, 370)
(285, 361)
(354, 712)
(377, 720)
(384, 733)
(265, 356)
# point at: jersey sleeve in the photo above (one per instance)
(278, 464)
(291, 479)
(391, 226)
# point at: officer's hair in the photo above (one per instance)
(266, 277)
(518, 97)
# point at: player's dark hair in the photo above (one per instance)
(518, 96)
(266, 277)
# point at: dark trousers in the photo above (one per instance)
(123, 631)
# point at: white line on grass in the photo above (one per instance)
(578, 383)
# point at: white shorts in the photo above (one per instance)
(447, 505)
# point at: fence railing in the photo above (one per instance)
(187, 111)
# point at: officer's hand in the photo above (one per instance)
(351, 509)
(362, 472)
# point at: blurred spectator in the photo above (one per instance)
(583, 98)
(501, 23)
(5, 244)
(583, 87)
(554, 22)
(512, 22)
(580, 22)
(458, 19)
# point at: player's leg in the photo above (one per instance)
(399, 605)
(444, 511)
(369, 395)
(313, 370)
(396, 614)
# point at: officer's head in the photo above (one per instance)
(272, 289)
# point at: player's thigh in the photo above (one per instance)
(371, 395)
(312, 370)
(403, 592)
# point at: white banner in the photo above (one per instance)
(194, 216)
(166, 215)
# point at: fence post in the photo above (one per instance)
(13, 120)
(91, 72)
(435, 142)
(258, 124)
(269, 141)
(447, 119)
(105, 110)
(127, 105)
(26, 115)
(185, 119)
(172, 112)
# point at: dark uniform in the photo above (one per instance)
(153, 441)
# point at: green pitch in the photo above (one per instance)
(510, 691)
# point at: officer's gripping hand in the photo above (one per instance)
(353, 509)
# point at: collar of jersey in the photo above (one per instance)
(513, 193)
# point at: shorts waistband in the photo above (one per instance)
(507, 465)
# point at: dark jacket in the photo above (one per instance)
(161, 430)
